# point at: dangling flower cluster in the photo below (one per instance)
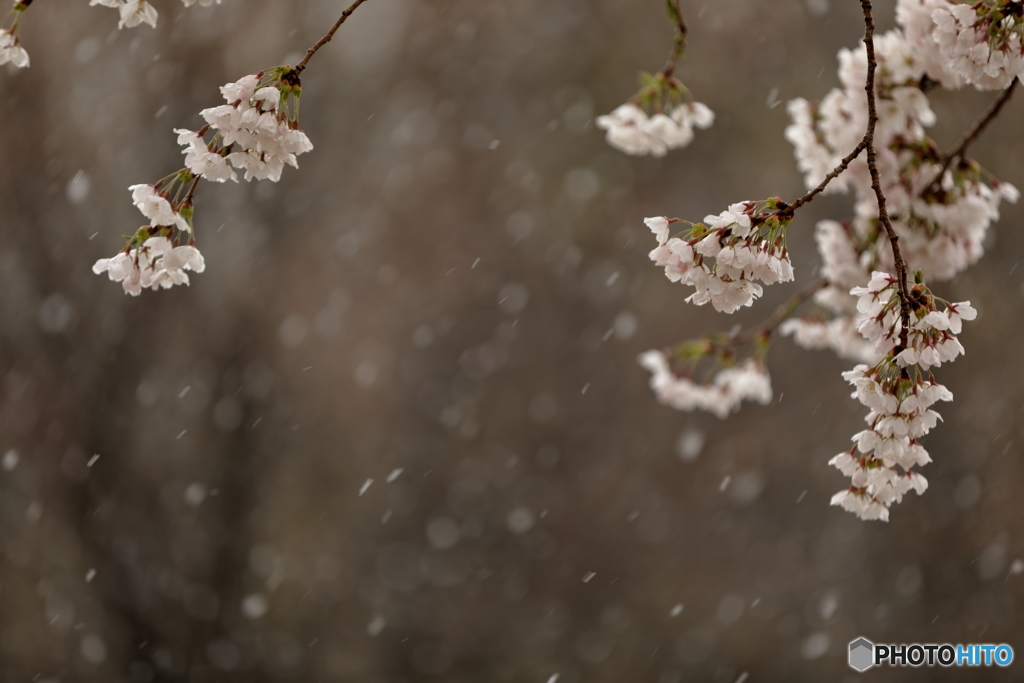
(11, 50)
(633, 131)
(723, 256)
(899, 390)
(747, 380)
(979, 43)
(881, 460)
(256, 131)
(157, 255)
(931, 337)
(662, 115)
(153, 263)
(136, 12)
(941, 211)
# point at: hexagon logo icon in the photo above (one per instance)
(862, 654)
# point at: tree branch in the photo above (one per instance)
(781, 314)
(972, 133)
(847, 160)
(876, 184)
(323, 41)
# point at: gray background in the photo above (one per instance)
(342, 331)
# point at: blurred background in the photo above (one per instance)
(397, 432)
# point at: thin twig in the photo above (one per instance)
(876, 184)
(847, 160)
(974, 131)
(679, 42)
(323, 41)
(781, 314)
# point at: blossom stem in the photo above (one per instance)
(191, 191)
(876, 184)
(833, 174)
(972, 133)
(679, 42)
(781, 314)
(327, 37)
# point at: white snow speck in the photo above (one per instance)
(90, 575)
(385, 517)
(254, 606)
(743, 676)
(725, 483)
(443, 532)
(676, 611)
(195, 494)
(78, 188)
(93, 649)
(553, 679)
(34, 512)
(365, 486)
(689, 445)
(815, 645)
(395, 474)
(10, 460)
(181, 394)
(494, 145)
(588, 576)
(519, 521)
(585, 387)
(1017, 567)
(92, 460)
(376, 625)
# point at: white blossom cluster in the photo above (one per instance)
(11, 50)
(899, 391)
(722, 257)
(151, 259)
(254, 133)
(156, 264)
(966, 44)
(136, 12)
(747, 380)
(632, 131)
(156, 207)
(942, 215)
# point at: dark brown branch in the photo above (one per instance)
(323, 41)
(974, 131)
(781, 314)
(876, 183)
(847, 160)
(679, 42)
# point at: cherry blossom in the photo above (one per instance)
(155, 264)
(11, 51)
(723, 256)
(631, 130)
(748, 380)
